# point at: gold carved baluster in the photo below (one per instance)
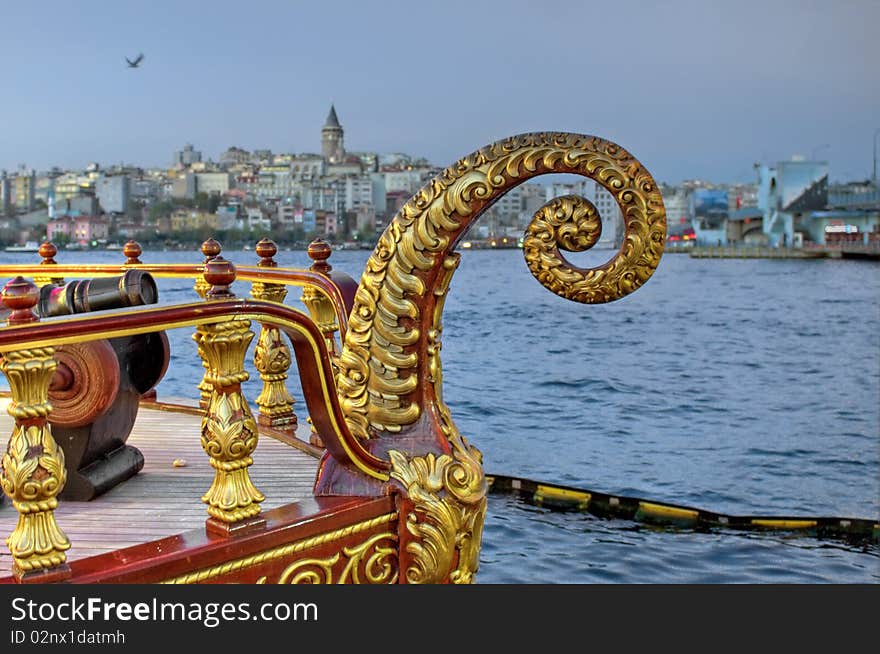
(272, 356)
(322, 311)
(229, 431)
(47, 252)
(32, 471)
(210, 249)
(319, 305)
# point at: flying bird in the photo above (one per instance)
(136, 62)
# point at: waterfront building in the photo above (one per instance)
(193, 219)
(72, 185)
(262, 156)
(362, 220)
(254, 218)
(745, 226)
(380, 193)
(394, 160)
(289, 216)
(24, 189)
(113, 193)
(407, 179)
(349, 166)
(369, 160)
(234, 156)
(132, 229)
(675, 201)
(183, 186)
(791, 205)
(788, 189)
(227, 216)
(533, 198)
(358, 192)
(212, 182)
(307, 166)
(326, 223)
(708, 209)
(144, 188)
(83, 204)
(186, 157)
(83, 229)
(394, 201)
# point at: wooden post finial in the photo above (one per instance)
(220, 274)
(211, 248)
(266, 249)
(48, 250)
(272, 356)
(21, 296)
(319, 251)
(132, 251)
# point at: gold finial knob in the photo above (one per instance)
(266, 249)
(132, 250)
(211, 248)
(21, 295)
(48, 251)
(319, 252)
(220, 274)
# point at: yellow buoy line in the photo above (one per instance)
(566, 498)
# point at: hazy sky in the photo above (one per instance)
(698, 89)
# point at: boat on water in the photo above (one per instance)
(30, 246)
(107, 482)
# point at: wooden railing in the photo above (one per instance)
(33, 471)
(319, 279)
(326, 293)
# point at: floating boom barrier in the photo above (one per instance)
(566, 498)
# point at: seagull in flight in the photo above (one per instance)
(136, 62)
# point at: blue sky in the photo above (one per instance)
(693, 89)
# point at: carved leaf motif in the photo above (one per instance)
(444, 522)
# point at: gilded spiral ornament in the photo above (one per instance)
(573, 224)
(391, 347)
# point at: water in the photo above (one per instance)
(736, 386)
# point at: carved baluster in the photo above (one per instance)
(229, 431)
(272, 356)
(132, 251)
(47, 252)
(319, 305)
(210, 249)
(322, 310)
(32, 471)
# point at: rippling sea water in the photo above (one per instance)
(736, 386)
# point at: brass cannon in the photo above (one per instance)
(98, 384)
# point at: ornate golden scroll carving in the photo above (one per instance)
(381, 363)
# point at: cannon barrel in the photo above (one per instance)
(133, 288)
(98, 385)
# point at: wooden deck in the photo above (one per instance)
(163, 500)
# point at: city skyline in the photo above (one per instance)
(693, 90)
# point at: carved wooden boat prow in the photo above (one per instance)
(399, 496)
